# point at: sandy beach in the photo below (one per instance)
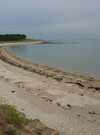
(67, 102)
(4, 44)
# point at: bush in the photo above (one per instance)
(11, 131)
(12, 116)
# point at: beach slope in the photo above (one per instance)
(66, 102)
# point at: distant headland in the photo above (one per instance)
(12, 37)
(17, 39)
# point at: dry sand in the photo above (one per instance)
(67, 107)
(22, 43)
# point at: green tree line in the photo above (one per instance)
(12, 37)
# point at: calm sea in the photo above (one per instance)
(77, 55)
(75, 49)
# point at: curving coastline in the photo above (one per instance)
(30, 42)
(80, 80)
(63, 101)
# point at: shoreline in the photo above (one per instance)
(82, 81)
(63, 101)
(4, 44)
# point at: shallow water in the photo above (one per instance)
(82, 56)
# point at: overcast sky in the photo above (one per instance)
(62, 10)
(69, 13)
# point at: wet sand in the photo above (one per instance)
(67, 102)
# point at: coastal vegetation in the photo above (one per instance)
(13, 122)
(16, 39)
(12, 37)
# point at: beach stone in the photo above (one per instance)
(36, 124)
(97, 89)
(80, 84)
(38, 128)
(68, 105)
(92, 112)
(13, 91)
(58, 78)
(81, 94)
(49, 131)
